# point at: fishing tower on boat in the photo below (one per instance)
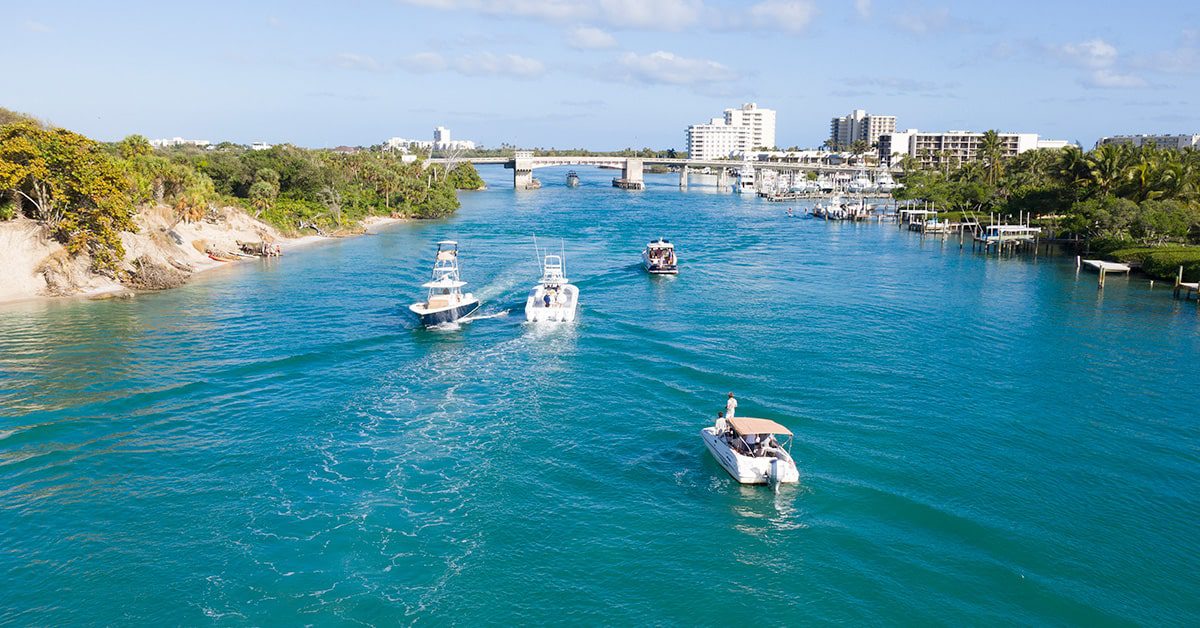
(446, 301)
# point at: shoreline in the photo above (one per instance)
(104, 288)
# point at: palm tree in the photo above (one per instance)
(1107, 166)
(991, 150)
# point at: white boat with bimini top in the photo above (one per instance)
(446, 302)
(659, 258)
(554, 299)
(748, 449)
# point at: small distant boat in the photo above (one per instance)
(572, 179)
(554, 298)
(659, 258)
(446, 302)
(748, 449)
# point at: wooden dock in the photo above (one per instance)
(1107, 267)
(1187, 289)
(1102, 267)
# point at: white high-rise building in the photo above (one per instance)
(1161, 141)
(739, 132)
(716, 140)
(859, 125)
(760, 121)
(441, 135)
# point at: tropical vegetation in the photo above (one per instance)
(86, 192)
(1135, 203)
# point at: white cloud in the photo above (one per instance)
(651, 15)
(667, 68)
(792, 16)
(863, 8)
(354, 61)
(590, 38)
(668, 15)
(1101, 59)
(1093, 53)
(424, 62)
(36, 27)
(1106, 77)
(1183, 59)
(489, 64)
(924, 23)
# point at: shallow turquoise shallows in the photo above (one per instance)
(980, 440)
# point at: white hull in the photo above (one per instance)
(561, 310)
(750, 470)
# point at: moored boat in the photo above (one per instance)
(446, 302)
(659, 258)
(748, 450)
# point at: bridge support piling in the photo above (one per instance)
(522, 167)
(723, 179)
(683, 176)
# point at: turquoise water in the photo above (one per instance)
(981, 440)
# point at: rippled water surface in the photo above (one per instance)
(981, 440)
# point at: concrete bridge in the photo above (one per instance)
(523, 163)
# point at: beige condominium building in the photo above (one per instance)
(859, 125)
(954, 147)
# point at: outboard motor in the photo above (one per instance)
(773, 474)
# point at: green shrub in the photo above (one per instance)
(1163, 262)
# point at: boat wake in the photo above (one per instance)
(479, 317)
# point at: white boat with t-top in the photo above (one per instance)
(555, 298)
(748, 449)
(446, 302)
(659, 258)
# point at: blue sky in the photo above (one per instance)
(603, 74)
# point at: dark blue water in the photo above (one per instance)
(981, 440)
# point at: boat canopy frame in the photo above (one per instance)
(751, 425)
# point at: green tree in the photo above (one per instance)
(72, 185)
(134, 146)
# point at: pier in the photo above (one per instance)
(1187, 289)
(1102, 267)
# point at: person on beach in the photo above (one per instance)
(730, 407)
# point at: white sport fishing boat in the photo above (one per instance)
(860, 185)
(747, 448)
(554, 299)
(884, 182)
(446, 302)
(659, 258)
(745, 183)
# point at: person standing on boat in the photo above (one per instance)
(722, 425)
(730, 407)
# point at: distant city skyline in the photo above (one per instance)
(601, 74)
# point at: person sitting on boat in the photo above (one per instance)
(752, 444)
(730, 407)
(546, 299)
